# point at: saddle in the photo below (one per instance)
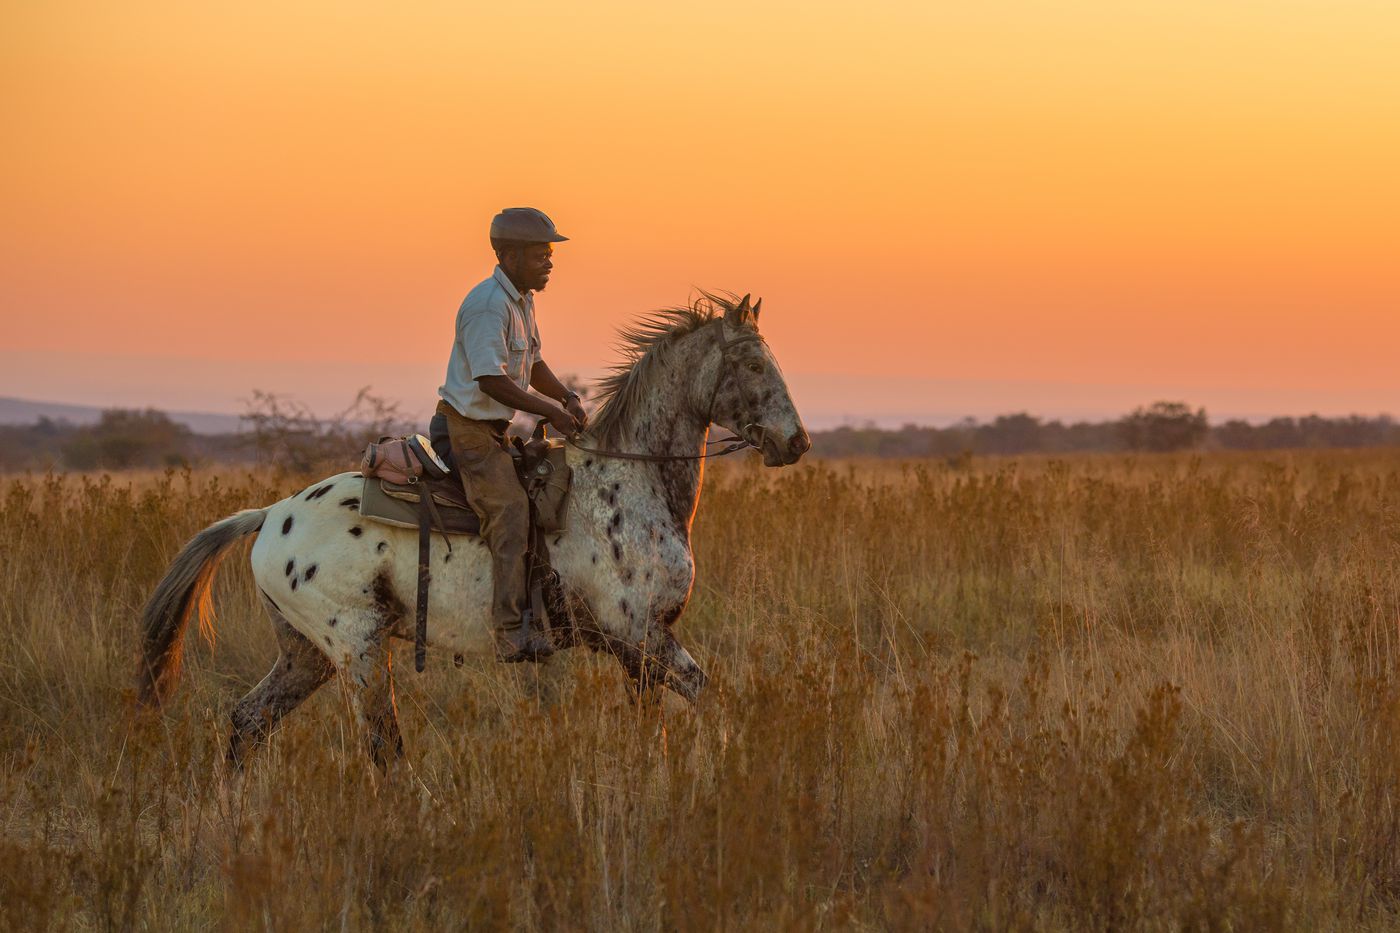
(440, 505)
(540, 464)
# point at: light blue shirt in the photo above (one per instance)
(496, 336)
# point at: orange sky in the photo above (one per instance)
(948, 208)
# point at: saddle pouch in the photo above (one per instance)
(402, 460)
(546, 475)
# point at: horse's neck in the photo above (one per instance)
(664, 425)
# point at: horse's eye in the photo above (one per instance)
(755, 367)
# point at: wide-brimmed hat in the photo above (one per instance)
(524, 225)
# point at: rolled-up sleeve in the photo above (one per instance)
(483, 333)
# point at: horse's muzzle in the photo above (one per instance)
(776, 452)
(798, 445)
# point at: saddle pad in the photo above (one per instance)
(382, 501)
(447, 493)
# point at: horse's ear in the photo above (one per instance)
(740, 314)
(757, 305)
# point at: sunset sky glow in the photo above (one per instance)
(1065, 208)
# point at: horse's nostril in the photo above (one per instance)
(800, 443)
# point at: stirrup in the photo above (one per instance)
(536, 646)
(534, 656)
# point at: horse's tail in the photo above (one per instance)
(185, 590)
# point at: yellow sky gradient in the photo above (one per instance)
(1197, 196)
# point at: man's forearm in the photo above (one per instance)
(543, 381)
(505, 391)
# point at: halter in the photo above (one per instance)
(736, 443)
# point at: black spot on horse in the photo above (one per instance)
(287, 525)
(328, 641)
(617, 551)
(627, 575)
(447, 557)
(294, 584)
(556, 541)
(310, 572)
(588, 463)
(351, 503)
(318, 493)
(648, 575)
(334, 622)
(291, 565)
(381, 546)
(616, 522)
(617, 487)
(622, 604)
(356, 531)
(595, 558)
(386, 601)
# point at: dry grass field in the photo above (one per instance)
(1096, 693)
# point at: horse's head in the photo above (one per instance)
(750, 396)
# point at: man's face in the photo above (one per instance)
(530, 265)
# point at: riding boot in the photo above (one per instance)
(522, 642)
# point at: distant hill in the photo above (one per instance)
(20, 411)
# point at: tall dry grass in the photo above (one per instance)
(1101, 693)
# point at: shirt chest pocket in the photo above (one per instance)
(520, 358)
(521, 345)
(517, 336)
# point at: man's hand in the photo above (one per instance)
(575, 407)
(565, 422)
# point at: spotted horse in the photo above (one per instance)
(339, 588)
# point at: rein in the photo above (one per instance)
(736, 443)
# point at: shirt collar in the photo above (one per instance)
(504, 280)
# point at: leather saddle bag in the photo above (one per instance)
(403, 460)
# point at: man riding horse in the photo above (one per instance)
(495, 360)
(337, 584)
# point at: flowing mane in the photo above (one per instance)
(645, 344)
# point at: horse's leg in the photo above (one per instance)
(645, 676)
(300, 668)
(683, 674)
(658, 662)
(372, 682)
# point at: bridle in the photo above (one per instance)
(734, 444)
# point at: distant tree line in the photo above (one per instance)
(283, 432)
(1163, 426)
(121, 439)
(278, 431)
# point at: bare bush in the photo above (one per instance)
(285, 432)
